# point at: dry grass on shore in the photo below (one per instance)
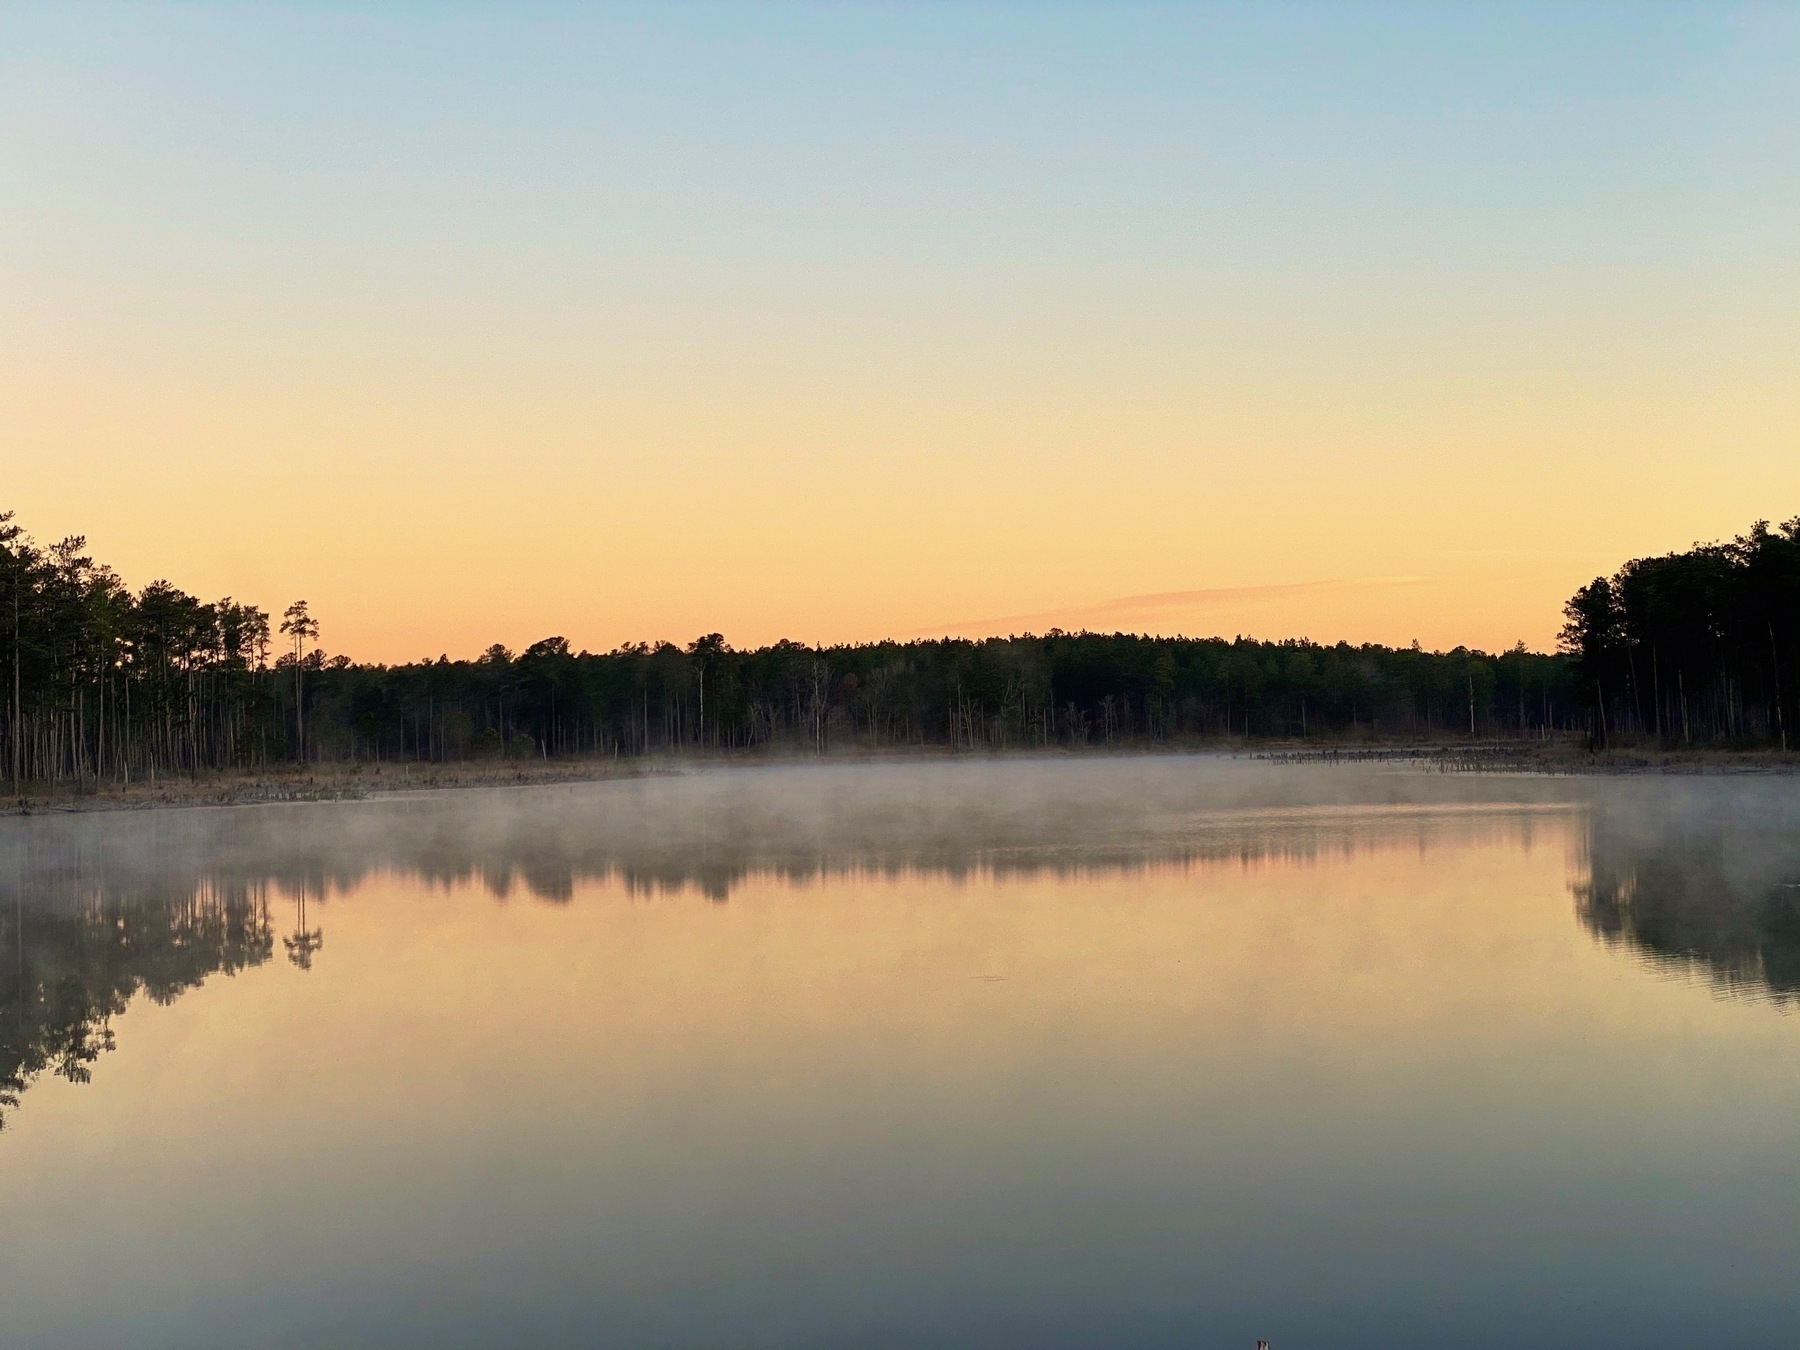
(314, 782)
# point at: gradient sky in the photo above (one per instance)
(476, 323)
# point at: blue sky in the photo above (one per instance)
(1279, 260)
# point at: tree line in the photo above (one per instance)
(107, 684)
(1055, 689)
(1701, 646)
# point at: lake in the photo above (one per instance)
(1160, 1051)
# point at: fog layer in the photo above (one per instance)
(1696, 874)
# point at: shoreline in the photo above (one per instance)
(351, 781)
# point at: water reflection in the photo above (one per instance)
(75, 966)
(103, 908)
(1713, 889)
(303, 941)
(953, 1055)
(710, 832)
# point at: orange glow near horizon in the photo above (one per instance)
(571, 326)
(412, 535)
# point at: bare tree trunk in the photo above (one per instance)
(1775, 656)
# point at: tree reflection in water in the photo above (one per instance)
(1712, 894)
(303, 941)
(76, 965)
(102, 908)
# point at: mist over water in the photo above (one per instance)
(1151, 1051)
(710, 829)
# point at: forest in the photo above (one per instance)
(1700, 647)
(108, 684)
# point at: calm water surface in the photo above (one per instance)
(1170, 1052)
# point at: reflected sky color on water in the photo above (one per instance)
(1153, 1052)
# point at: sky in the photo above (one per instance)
(480, 322)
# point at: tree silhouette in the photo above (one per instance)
(1695, 647)
(1701, 645)
(300, 628)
